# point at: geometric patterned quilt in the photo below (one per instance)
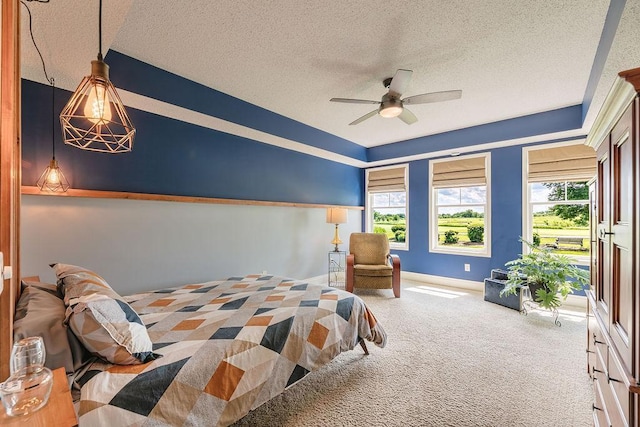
(227, 347)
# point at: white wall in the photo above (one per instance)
(142, 245)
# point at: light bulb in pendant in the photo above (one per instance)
(97, 108)
(53, 177)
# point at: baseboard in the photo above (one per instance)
(573, 302)
(443, 281)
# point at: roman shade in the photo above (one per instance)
(568, 163)
(467, 172)
(390, 179)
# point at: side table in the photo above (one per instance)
(58, 412)
(337, 264)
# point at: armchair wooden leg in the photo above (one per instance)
(364, 347)
(395, 276)
(350, 273)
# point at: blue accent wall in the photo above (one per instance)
(139, 77)
(568, 118)
(178, 158)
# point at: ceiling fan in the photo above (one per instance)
(392, 105)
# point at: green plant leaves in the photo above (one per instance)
(556, 272)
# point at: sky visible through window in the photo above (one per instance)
(392, 203)
(453, 200)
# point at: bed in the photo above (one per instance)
(221, 349)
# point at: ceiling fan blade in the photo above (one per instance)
(407, 116)
(354, 101)
(363, 118)
(425, 98)
(400, 81)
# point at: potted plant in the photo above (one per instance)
(549, 275)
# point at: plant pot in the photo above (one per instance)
(533, 288)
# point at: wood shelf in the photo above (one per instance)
(35, 191)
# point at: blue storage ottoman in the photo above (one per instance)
(494, 285)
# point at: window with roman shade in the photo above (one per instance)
(387, 202)
(568, 163)
(557, 198)
(459, 173)
(460, 205)
(388, 179)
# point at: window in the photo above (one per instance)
(459, 204)
(557, 198)
(387, 201)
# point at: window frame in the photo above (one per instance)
(528, 204)
(434, 247)
(369, 204)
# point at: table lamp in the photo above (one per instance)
(336, 216)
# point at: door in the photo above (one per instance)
(622, 267)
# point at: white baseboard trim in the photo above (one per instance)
(573, 302)
(443, 281)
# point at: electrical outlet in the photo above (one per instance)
(264, 272)
(467, 267)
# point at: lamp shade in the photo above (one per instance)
(336, 215)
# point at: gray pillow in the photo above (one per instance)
(40, 312)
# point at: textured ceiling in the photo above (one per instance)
(509, 58)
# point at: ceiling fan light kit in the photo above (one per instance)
(392, 105)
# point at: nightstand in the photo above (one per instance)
(58, 412)
(337, 263)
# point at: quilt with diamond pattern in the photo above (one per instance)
(227, 347)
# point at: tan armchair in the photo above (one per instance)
(370, 265)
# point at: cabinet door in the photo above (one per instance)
(593, 237)
(622, 267)
(602, 287)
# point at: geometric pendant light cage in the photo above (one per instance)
(95, 119)
(52, 179)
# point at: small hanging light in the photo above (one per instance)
(95, 119)
(52, 179)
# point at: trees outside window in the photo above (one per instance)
(559, 216)
(459, 205)
(387, 204)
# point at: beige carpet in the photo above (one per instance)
(452, 359)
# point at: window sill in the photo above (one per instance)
(483, 254)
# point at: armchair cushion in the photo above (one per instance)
(373, 270)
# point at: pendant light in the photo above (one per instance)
(52, 179)
(94, 119)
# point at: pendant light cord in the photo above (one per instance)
(44, 67)
(51, 80)
(100, 32)
(53, 122)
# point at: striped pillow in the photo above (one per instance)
(105, 324)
